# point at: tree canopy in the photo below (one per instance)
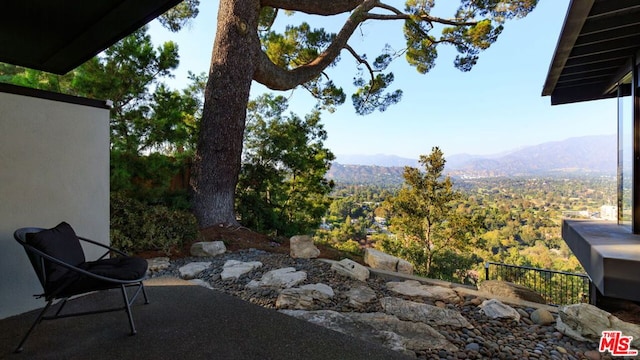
(282, 189)
(433, 232)
(246, 49)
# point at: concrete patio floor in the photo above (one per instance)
(182, 321)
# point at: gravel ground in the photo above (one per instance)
(490, 339)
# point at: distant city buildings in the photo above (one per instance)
(576, 214)
(380, 220)
(607, 212)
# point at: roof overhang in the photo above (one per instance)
(58, 35)
(594, 51)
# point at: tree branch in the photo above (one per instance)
(272, 20)
(315, 7)
(276, 78)
(393, 9)
(399, 15)
(360, 60)
(426, 18)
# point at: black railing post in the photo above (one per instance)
(486, 270)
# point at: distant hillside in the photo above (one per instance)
(366, 174)
(588, 154)
(376, 160)
(596, 155)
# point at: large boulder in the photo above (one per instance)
(279, 278)
(208, 248)
(301, 246)
(305, 297)
(351, 269)
(361, 295)
(510, 290)
(428, 314)
(378, 260)
(415, 288)
(191, 270)
(586, 322)
(233, 269)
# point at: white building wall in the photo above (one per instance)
(54, 166)
(609, 212)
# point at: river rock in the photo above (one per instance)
(497, 310)
(542, 317)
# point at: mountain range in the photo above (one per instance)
(596, 155)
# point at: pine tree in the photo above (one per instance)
(424, 216)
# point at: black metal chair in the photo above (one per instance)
(59, 261)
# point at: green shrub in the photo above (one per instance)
(150, 178)
(350, 246)
(137, 227)
(448, 265)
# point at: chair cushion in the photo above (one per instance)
(60, 242)
(121, 268)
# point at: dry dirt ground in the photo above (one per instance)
(238, 237)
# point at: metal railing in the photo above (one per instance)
(556, 287)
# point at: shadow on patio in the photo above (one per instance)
(182, 321)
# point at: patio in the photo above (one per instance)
(182, 321)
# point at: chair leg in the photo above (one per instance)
(144, 293)
(128, 309)
(38, 320)
(62, 304)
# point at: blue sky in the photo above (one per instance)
(495, 107)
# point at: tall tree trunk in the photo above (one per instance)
(219, 151)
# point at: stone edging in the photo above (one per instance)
(459, 288)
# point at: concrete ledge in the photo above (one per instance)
(609, 253)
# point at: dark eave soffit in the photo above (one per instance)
(594, 49)
(58, 35)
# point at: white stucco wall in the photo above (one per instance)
(54, 166)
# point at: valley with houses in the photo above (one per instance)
(518, 201)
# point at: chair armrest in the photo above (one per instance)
(103, 246)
